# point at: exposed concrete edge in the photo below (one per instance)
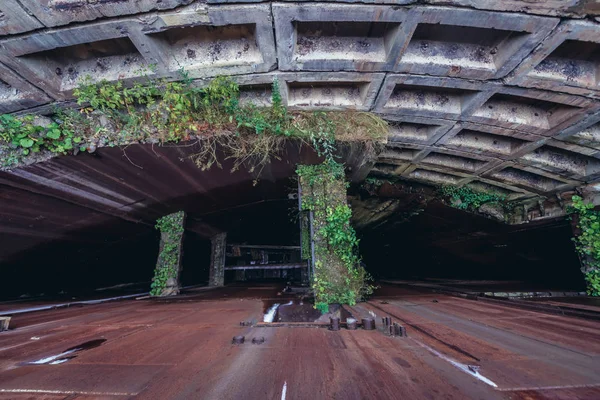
(521, 304)
(85, 302)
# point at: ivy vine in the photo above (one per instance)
(339, 277)
(587, 242)
(167, 266)
(465, 198)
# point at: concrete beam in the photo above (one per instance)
(204, 41)
(62, 12)
(17, 94)
(329, 90)
(58, 60)
(529, 178)
(444, 98)
(546, 7)
(565, 61)
(338, 37)
(416, 130)
(439, 42)
(15, 19)
(209, 41)
(485, 140)
(532, 111)
(217, 260)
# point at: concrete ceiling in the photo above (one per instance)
(499, 95)
(496, 94)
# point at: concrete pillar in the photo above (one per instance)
(168, 265)
(217, 260)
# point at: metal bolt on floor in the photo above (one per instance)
(351, 324)
(335, 324)
(238, 340)
(368, 324)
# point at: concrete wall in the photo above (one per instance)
(496, 94)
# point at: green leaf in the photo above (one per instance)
(53, 134)
(26, 142)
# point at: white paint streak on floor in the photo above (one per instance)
(48, 360)
(284, 390)
(460, 366)
(270, 315)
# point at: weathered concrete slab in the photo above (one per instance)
(402, 152)
(486, 140)
(57, 60)
(447, 98)
(436, 176)
(457, 161)
(14, 19)
(585, 134)
(532, 111)
(567, 61)
(62, 12)
(338, 37)
(547, 7)
(16, 94)
(330, 90)
(468, 43)
(510, 192)
(210, 41)
(529, 178)
(409, 129)
(204, 42)
(394, 2)
(386, 168)
(563, 162)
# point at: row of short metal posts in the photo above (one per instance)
(390, 328)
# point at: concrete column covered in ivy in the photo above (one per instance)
(168, 265)
(217, 260)
(339, 277)
(587, 242)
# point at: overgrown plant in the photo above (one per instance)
(27, 135)
(167, 266)
(465, 198)
(587, 242)
(339, 277)
(151, 111)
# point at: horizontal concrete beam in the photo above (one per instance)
(15, 19)
(17, 94)
(62, 12)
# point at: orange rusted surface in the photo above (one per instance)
(181, 348)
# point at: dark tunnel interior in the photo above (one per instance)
(438, 243)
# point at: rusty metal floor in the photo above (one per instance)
(182, 349)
